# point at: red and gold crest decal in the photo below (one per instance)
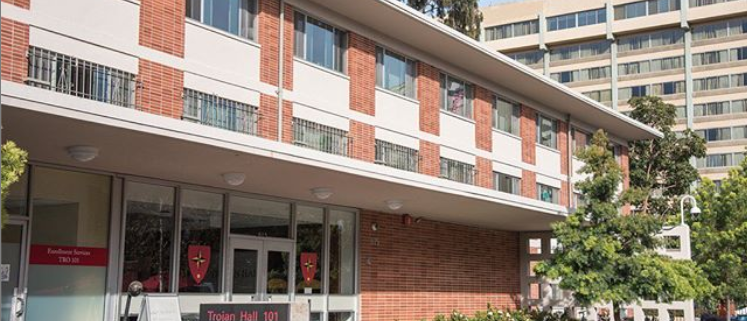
(199, 260)
(308, 266)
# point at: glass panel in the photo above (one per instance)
(245, 271)
(259, 217)
(71, 218)
(12, 237)
(277, 272)
(532, 265)
(395, 71)
(342, 252)
(535, 246)
(149, 232)
(15, 202)
(202, 226)
(309, 244)
(341, 316)
(534, 291)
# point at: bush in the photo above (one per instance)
(494, 314)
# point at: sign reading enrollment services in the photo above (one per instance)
(67, 255)
(245, 312)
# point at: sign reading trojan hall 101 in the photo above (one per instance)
(245, 312)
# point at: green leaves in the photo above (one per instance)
(462, 15)
(13, 165)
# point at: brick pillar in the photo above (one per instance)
(162, 25)
(625, 166)
(483, 119)
(20, 3)
(269, 38)
(564, 190)
(429, 97)
(362, 72)
(161, 89)
(564, 159)
(430, 158)
(528, 135)
(484, 172)
(287, 121)
(363, 141)
(268, 117)
(14, 45)
(529, 184)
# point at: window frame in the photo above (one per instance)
(253, 28)
(300, 49)
(514, 117)
(554, 133)
(469, 95)
(410, 64)
(554, 196)
(515, 182)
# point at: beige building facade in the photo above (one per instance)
(692, 53)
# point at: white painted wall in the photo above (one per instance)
(507, 169)
(316, 86)
(397, 138)
(397, 113)
(548, 161)
(457, 155)
(457, 132)
(221, 89)
(82, 50)
(549, 181)
(506, 148)
(213, 52)
(320, 116)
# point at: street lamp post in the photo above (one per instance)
(695, 210)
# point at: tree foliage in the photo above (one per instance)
(720, 236)
(462, 15)
(660, 169)
(13, 165)
(607, 257)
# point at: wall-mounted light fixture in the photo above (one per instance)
(234, 178)
(322, 193)
(394, 204)
(83, 153)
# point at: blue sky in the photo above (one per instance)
(488, 2)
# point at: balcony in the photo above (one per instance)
(219, 112)
(320, 137)
(396, 156)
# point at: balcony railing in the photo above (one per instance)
(69, 75)
(320, 137)
(397, 156)
(457, 171)
(219, 112)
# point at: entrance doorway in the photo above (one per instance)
(260, 270)
(13, 271)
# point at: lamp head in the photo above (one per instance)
(695, 210)
(135, 288)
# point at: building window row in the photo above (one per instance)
(720, 108)
(320, 137)
(219, 112)
(651, 40)
(587, 74)
(580, 140)
(720, 29)
(395, 72)
(720, 56)
(456, 95)
(661, 89)
(237, 17)
(577, 19)
(580, 51)
(547, 131)
(720, 82)
(320, 43)
(645, 8)
(722, 134)
(72, 76)
(516, 29)
(602, 96)
(529, 58)
(648, 66)
(457, 171)
(548, 194)
(396, 156)
(506, 115)
(507, 183)
(720, 160)
(700, 3)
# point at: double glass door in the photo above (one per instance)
(260, 270)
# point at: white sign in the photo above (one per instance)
(5, 272)
(160, 307)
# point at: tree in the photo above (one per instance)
(13, 165)
(607, 257)
(462, 15)
(720, 237)
(660, 168)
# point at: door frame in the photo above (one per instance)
(23, 263)
(262, 246)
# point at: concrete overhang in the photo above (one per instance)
(397, 20)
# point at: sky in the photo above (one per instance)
(489, 2)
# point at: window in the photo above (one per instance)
(676, 315)
(650, 315)
(630, 92)
(739, 80)
(715, 134)
(507, 183)
(535, 246)
(309, 239)
(720, 29)
(219, 112)
(699, 3)
(72, 76)
(711, 109)
(201, 235)
(680, 112)
(320, 137)
(456, 96)
(395, 72)
(667, 64)
(582, 75)
(320, 43)
(668, 88)
(342, 247)
(592, 17)
(581, 140)
(579, 200)
(710, 58)
(397, 156)
(257, 217)
(720, 160)
(511, 30)
(739, 54)
(580, 51)
(661, 6)
(711, 83)
(457, 171)
(561, 22)
(630, 10)
(602, 96)
(528, 58)
(237, 16)
(506, 115)
(547, 131)
(547, 193)
(650, 40)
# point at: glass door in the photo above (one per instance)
(12, 271)
(260, 270)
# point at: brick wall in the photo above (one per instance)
(429, 97)
(20, 3)
(268, 33)
(483, 119)
(564, 190)
(415, 272)
(563, 146)
(528, 135)
(363, 141)
(529, 184)
(362, 72)
(430, 161)
(268, 117)
(484, 168)
(160, 89)
(162, 25)
(14, 45)
(287, 121)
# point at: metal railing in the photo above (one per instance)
(69, 75)
(320, 137)
(457, 171)
(397, 156)
(219, 112)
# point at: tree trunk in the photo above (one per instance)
(616, 312)
(728, 308)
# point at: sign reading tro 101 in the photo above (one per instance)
(245, 312)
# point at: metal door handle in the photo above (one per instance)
(21, 304)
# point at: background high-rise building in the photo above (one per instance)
(692, 53)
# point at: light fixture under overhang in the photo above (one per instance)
(234, 178)
(322, 193)
(394, 204)
(83, 153)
